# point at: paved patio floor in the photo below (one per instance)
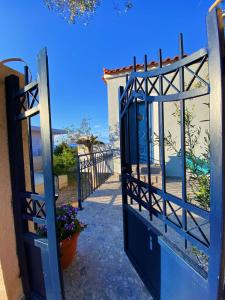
(101, 269)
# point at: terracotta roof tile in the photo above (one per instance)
(129, 68)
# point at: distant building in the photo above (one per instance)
(37, 145)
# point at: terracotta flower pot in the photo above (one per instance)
(68, 248)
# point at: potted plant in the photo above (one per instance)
(68, 228)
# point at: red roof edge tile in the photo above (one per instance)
(129, 68)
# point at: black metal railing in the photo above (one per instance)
(93, 169)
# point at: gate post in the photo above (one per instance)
(55, 289)
(78, 183)
(215, 30)
(17, 174)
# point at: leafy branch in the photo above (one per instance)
(71, 10)
(197, 164)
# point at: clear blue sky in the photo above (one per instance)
(77, 53)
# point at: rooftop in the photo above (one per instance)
(151, 64)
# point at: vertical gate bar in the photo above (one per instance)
(183, 147)
(128, 131)
(88, 181)
(17, 177)
(137, 131)
(56, 288)
(89, 184)
(78, 183)
(216, 51)
(29, 132)
(82, 184)
(92, 179)
(85, 179)
(129, 168)
(92, 173)
(98, 165)
(101, 168)
(161, 139)
(106, 165)
(97, 169)
(147, 137)
(123, 166)
(30, 148)
(93, 170)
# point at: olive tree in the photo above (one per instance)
(71, 10)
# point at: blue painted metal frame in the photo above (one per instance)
(38, 256)
(215, 29)
(142, 86)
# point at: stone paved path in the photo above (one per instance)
(102, 270)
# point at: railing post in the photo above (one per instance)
(79, 184)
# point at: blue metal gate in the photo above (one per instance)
(38, 256)
(173, 197)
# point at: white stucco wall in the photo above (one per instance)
(113, 84)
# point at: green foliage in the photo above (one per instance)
(64, 147)
(64, 159)
(200, 185)
(198, 166)
(71, 10)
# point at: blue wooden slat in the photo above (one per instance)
(28, 113)
(190, 59)
(197, 92)
(28, 87)
(36, 240)
(35, 197)
(178, 201)
(37, 220)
